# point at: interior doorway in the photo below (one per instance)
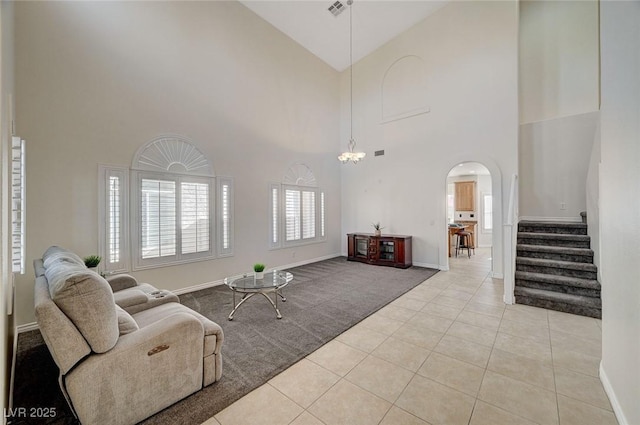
(470, 209)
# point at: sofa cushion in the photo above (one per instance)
(86, 299)
(126, 324)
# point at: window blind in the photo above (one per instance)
(225, 216)
(114, 224)
(322, 234)
(158, 218)
(194, 217)
(274, 216)
(292, 214)
(17, 204)
(308, 214)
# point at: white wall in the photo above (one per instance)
(619, 207)
(554, 161)
(593, 199)
(96, 80)
(558, 59)
(469, 50)
(558, 93)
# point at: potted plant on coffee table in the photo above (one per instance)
(259, 269)
(92, 261)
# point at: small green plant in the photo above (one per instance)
(258, 267)
(92, 261)
(377, 226)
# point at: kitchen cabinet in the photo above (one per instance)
(465, 196)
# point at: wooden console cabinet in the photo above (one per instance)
(385, 250)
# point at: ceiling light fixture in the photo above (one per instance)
(351, 155)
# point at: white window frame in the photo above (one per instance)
(140, 263)
(105, 172)
(277, 216)
(173, 158)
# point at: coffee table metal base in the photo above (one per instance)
(264, 293)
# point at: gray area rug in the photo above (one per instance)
(323, 300)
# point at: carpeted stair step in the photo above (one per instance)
(574, 304)
(554, 267)
(561, 253)
(554, 239)
(555, 283)
(552, 227)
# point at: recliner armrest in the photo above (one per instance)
(119, 282)
(129, 298)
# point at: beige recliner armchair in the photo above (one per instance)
(116, 367)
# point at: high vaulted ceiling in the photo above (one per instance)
(375, 22)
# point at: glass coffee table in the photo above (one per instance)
(248, 286)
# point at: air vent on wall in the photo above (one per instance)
(336, 8)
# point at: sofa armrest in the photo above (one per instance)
(130, 297)
(148, 370)
(119, 282)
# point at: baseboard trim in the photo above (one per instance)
(615, 404)
(428, 265)
(497, 275)
(26, 328)
(552, 219)
(219, 282)
(197, 287)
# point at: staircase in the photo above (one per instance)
(555, 270)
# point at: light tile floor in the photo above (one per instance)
(447, 352)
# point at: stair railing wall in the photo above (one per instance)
(510, 238)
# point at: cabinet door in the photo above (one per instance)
(362, 247)
(465, 196)
(387, 250)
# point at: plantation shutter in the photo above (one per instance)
(274, 208)
(292, 214)
(322, 233)
(17, 204)
(114, 212)
(194, 217)
(114, 226)
(308, 214)
(225, 223)
(158, 218)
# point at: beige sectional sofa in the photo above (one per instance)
(122, 355)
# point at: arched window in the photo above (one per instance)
(173, 208)
(297, 209)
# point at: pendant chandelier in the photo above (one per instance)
(351, 155)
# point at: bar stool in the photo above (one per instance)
(464, 241)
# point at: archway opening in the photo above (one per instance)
(470, 212)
